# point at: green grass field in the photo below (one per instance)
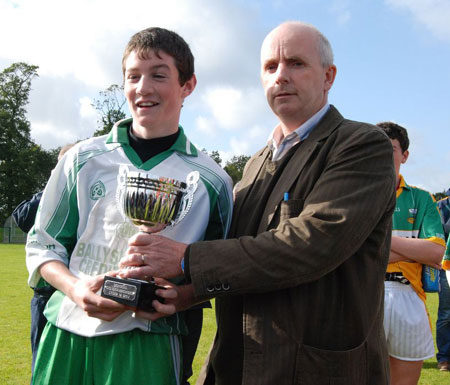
(15, 354)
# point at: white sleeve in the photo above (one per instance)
(54, 233)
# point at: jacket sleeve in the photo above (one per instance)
(354, 192)
(25, 213)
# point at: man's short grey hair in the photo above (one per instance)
(324, 46)
(325, 50)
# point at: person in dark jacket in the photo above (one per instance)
(443, 320)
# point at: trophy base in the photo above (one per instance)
(131, 292)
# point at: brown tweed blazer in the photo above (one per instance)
(301, 301)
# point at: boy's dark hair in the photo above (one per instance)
(395, 131)
(167, 41)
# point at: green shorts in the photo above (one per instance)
(133, 357)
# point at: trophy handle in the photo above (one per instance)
(122, 189)
(188, 196)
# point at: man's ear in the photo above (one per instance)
(330, 75)
(189, 86)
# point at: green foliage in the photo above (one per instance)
(216, 157)
(440, 195)
(15, 353)
(235, 167)
(110, 107)
(24, 165)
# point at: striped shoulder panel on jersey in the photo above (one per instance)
(216, 187)
(59, 226)
(406, 233)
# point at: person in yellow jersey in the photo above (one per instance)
(417, 240)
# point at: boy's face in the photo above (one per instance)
(154, 94)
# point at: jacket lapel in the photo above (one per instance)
(249, 177)
(291, 173)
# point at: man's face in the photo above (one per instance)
(400, 157)
(154, 94)
(294, 80)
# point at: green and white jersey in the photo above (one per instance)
(79, 223)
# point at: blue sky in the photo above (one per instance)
(392, 58)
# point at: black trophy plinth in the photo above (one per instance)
(131, 292)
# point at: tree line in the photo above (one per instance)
(24, 165)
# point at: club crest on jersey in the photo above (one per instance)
(97, 190)
(125, 230)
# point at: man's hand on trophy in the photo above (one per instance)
(177, 298)
(152, 255)
(84, 294)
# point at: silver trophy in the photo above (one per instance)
(145, 199)
(155, 201)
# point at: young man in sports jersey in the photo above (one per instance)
(79, 233)
(417, 240)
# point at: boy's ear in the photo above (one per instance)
(189, 86)
(405, 156)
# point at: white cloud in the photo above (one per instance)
(225, 156)
(340, 8)
(86, 109)
(434, 14)
(205, 125)
(235, 108)
(86, 38)
(239, 146)
(226, 105)
(46, 134)
(78, 47)
(64, 104)
(259, 132)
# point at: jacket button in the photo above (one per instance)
(210, 288)
(218, 287)
(226, 286)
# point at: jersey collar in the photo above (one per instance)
(119, 134)
(402, 186)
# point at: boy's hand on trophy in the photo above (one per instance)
(85, 294)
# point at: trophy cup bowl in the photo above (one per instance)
(155, 202)
(152, 202)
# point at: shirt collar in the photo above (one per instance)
(119, 134)
(402, 185)
(302, 132)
